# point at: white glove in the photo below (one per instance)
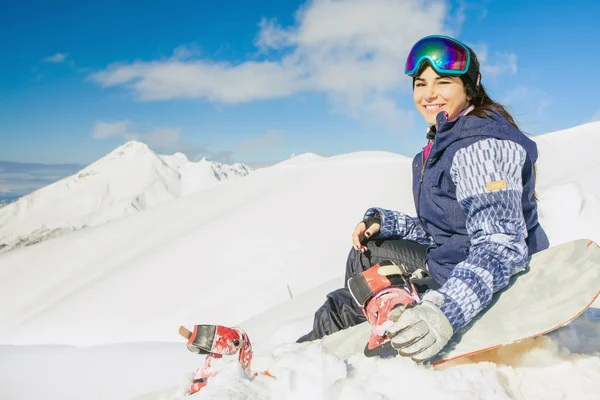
(422, 331)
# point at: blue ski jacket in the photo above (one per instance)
(475, 210)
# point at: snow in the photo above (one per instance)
(129, 179)
(94, 314)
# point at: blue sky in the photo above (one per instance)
(257, 81)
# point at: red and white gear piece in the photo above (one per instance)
(216, 341)
(378, 291)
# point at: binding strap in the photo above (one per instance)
(380, 276)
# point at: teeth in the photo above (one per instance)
(433, 107)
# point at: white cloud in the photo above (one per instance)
(505, 62)
(162, 138)
(541, 105)
(479, 8)
(185, 52)
(495, 64)
(57, 58)
(271, 139)
(596, 117)
(527, 105)
(352, 51)
(272, 35)
(536, 100)
(108, 129)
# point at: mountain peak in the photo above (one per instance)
(131, 149)
(133, 146)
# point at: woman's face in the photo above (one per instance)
(433, 94)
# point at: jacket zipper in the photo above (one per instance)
(421, 182)
(418, 207)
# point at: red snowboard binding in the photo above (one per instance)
(377, 291)
(216, 341)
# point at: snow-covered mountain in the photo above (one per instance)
(129, 179)
(196, 176)
(235, 254)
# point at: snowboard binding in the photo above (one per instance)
(377, 291)
(215, 341)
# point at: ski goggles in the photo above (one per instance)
(446, 56)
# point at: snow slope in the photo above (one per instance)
(257, 233)
(568, 169)
(232, 254)
(129, 179)
(569, 155)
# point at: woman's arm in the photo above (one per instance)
(395, 223)
(489, 186)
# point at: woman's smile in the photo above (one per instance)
(433, 107)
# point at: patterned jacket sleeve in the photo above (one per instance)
(395, 223)
(489, 187)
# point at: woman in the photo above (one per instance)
(474, 192)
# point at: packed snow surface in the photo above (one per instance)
(235, 253)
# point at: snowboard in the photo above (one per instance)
(557, 286)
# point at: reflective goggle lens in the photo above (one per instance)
(444, 54)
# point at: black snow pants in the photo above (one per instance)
(340, 311)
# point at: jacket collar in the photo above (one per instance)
(470, 126)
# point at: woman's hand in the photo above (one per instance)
(361, 233)
(422, 331)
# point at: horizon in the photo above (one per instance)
(19, 179)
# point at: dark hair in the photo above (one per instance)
(485, 106)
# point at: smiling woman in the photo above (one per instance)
(477, 221)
